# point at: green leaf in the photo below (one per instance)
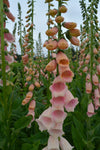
(26, 146)
(22, 122)
(76, 138)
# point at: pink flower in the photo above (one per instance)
(88, 87)
(58, 88)
(97, 103)
(25, 59)
(56, 131)
(10, 16)
(9, 37)
(95, 79)
(97, 93)
(88, 77)
(66, 74)
(58, 101)
(58, 114)
(64, 144)
(53, 143)
(71, 105)
(90, 111)
(71, 102)
(45, 120)
(7, 68)
(9, 59)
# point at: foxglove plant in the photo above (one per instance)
(90, 52)
(62, 99)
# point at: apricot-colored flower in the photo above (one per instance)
(28, 78)
(74, 32)
(62, 59)
(51, 66)
(37, 84)
(25, 59)
(52, 12)
(29, 95)
(25, 101)
(74, 41)
(62, 44)
(66, 74)
(32, 105)
(59, 19)
(52, 45)
(69, 25)
(62, 9)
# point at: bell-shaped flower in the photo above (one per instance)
(71, 102)
(96, 103)
(90, 111)
(66, 74)
(57, 130)
(9, 59)
(58, 101)
(45, 120)
(88, 87)
(96, 93)
(53, 143)
(51, 66)
(95, 79)
(62, 59)
(64, 144)
(58, 89)
(25, 101)
(58, 114)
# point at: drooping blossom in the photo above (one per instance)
(53, 143)
(90, 111)
(64, 144)
(51, 66)
(62, 59)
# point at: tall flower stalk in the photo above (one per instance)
(3, 65)
(62, 99)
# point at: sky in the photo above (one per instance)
(73, 14)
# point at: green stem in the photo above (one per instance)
(3, 65)
(59, 24)
(48, 92)
(91, 45)
(59, 29)
(32, 27)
